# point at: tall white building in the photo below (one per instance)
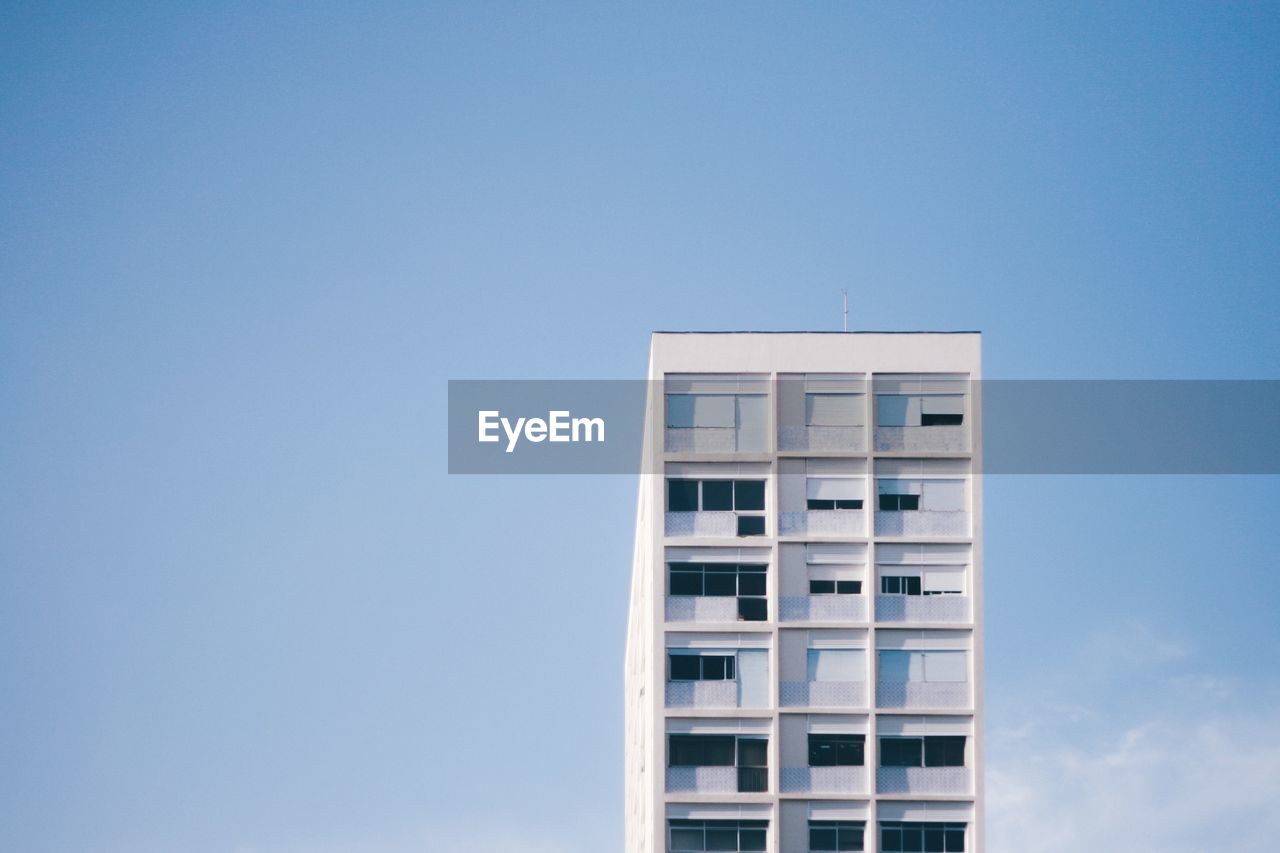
(804, 654)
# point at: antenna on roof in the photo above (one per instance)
(845, 295)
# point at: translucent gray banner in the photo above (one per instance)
(1026, 426)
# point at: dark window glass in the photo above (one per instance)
(890, 839)
(750, 582)
(748, 494)
(717, 495)
(900, 752)
(912, 839)
(686, 579)
(753, 752)
(722, 837)
(701, 750)
(850, 503)
(850, 837)
(751, 839)
(822, 835)
(941, 420)
(815, 503)
(911, 586)
(685, 839)
(890, 585)
(685, 668)
(713, 668)
(933, 842)
(753, 779)
(822, 587)
(721, 580)
(849, 587)
(944, 751)
(836, 750)
(753, 609)
(682, 495)
(908, 502)
(954, 838)
(751, 525)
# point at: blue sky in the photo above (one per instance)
(243, 608)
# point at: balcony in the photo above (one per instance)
(921, 523)
(925, 439)
(924, 695)
(823, 438)
(702, 608)
(716, 524)
(824, 694)
(923, 608)
(824, 780)
(702, 694)
(717, 780)
(823, 522)
(823, 608)
(924, 780)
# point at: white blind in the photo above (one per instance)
(899, 487)
(944, 579)
(943, 496)
(899, 666)
(894, 410)
(833, 409)
(942, 404)
(945, 666)
(831, 488)
(836, 665)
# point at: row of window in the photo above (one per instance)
(749, 580)
(896, 665)
(695, 836)
(687, 495)
(747, 411)
(825, 750)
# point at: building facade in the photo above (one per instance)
(804, 651)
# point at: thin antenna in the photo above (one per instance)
(845, 294)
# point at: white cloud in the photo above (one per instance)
(1195, 768)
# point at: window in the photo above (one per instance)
(834, 492)
(836, 665)
(745, 580)
(686, 666)
(837, 410)
(740, 496)
(904, 410)
(939, 666)
(926, 751)
(900, 495)
(940, 580)
(899, 585)
(750, 755)
(836, 835)
(908, 837)
(695, 836)
(836, 750)
(745, 414)
(834, 587)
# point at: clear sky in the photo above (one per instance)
(243, 608)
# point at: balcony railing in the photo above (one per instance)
(923, 608)
(923, 695)
(702, 780)
(702, 608)
(702, 694)
(717, 780)
(849, 439)
(823, 608)
(824, 694)
(921, 523)
(926, 439)
(924, 780)
(701, 440)
(702, 524)
(824, 780)
(823, 522)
